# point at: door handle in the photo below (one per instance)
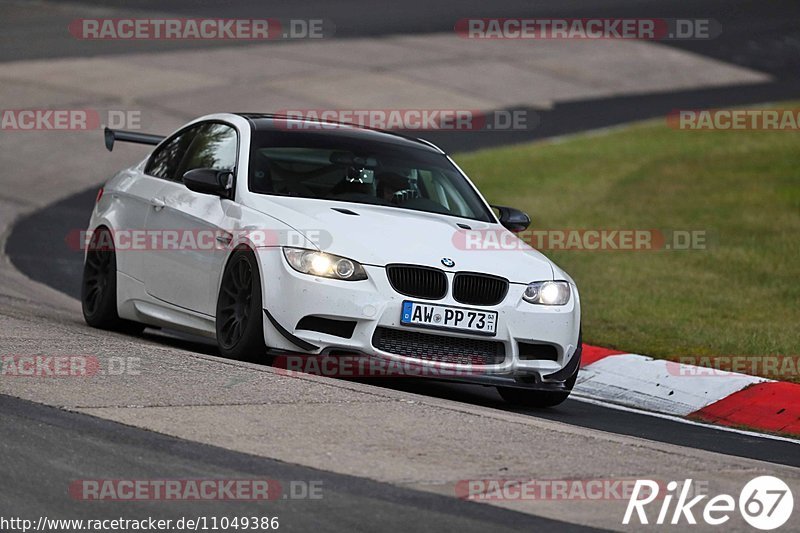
(158, 203)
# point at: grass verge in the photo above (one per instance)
(739, 296)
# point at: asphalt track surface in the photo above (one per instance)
(763, 36)
(63, 444)
(758, 35)
(61, 269)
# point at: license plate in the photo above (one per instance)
(447, 317)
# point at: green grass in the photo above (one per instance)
(741, 296)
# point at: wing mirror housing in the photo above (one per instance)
(514, 220)
(209, 181)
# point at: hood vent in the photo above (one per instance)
(344, 211)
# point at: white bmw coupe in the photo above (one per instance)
(280, 235)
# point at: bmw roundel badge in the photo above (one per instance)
(449, 263)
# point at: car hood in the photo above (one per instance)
(377, 235)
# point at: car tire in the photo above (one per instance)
(99, 286)
(239, 324)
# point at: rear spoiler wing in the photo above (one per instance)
(131, 137)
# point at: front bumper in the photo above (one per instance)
(289, 296)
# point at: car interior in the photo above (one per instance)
(339, 175)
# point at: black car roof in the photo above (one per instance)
(275, 122)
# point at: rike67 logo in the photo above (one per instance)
(765, 503)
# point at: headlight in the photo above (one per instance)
(324, 265)
(547, 293)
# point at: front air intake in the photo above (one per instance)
(418, 281)
(479, 289)
(439, 348)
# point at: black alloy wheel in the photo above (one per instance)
(240, 327)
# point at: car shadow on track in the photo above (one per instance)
(572, 412)
(481, 395)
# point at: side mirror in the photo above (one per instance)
(513, 219)
(209, 181)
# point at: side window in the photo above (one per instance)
(213, 146)
(165, 160)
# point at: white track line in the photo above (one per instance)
(673, 418)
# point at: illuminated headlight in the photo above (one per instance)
(547, 293)
(324, 265)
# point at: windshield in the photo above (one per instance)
(351, 170)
